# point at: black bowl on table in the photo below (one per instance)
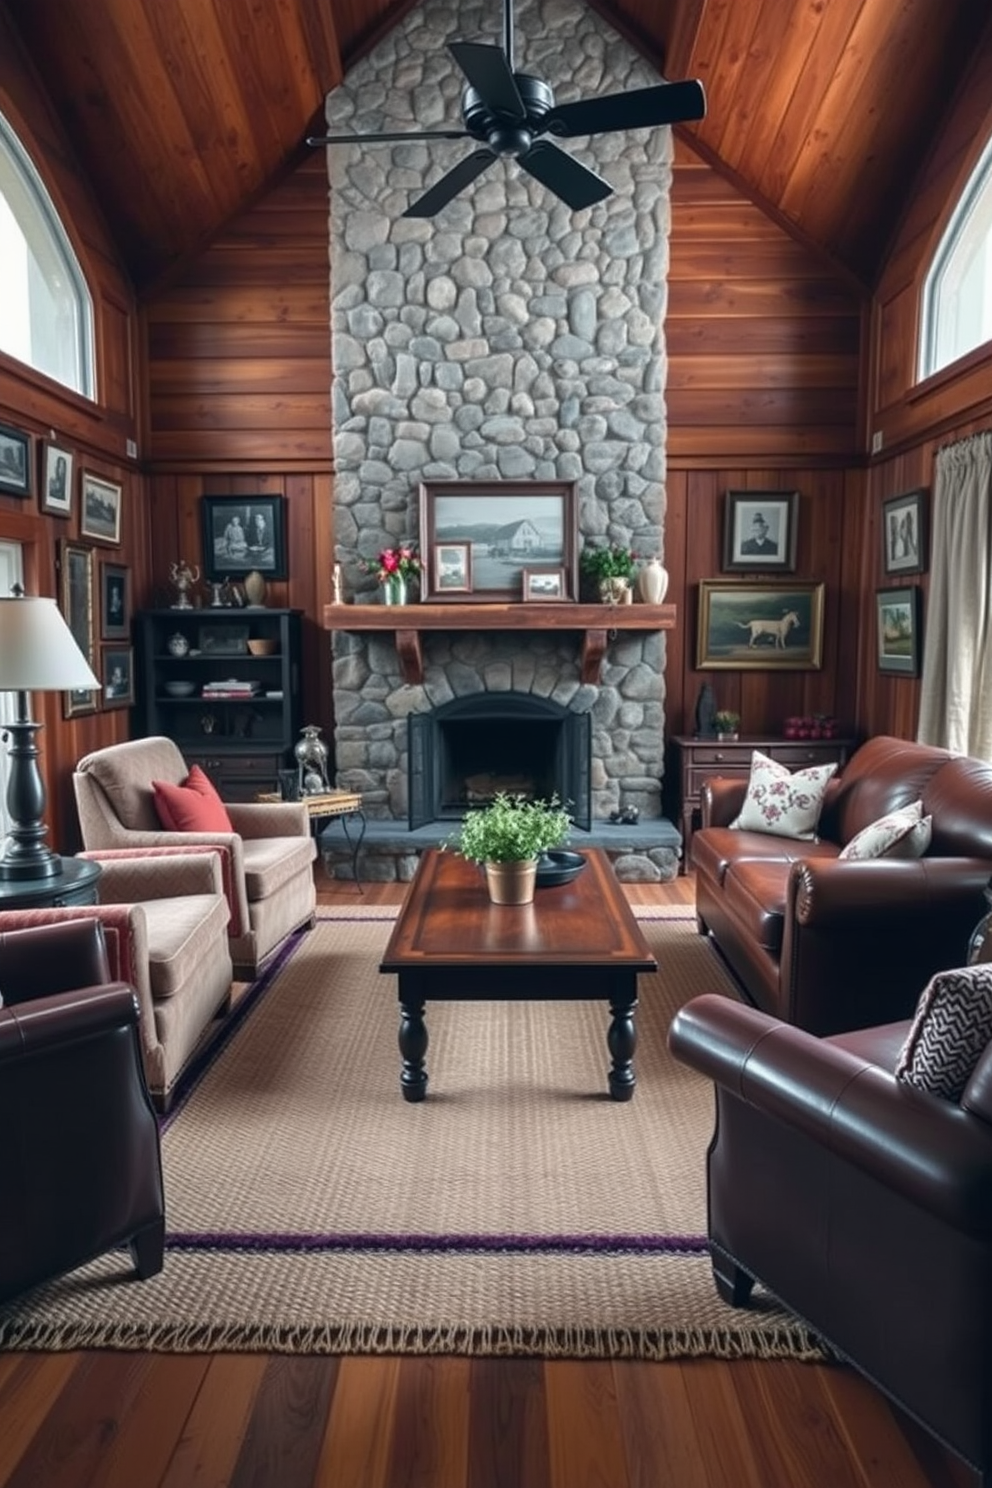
(558, 867)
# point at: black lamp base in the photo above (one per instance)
(25, 854)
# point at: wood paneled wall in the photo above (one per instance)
(238, 377)
(763, 349)
(915, 419)
(96, 431)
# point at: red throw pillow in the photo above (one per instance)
(193, 806)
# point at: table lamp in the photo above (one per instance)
(38, 653)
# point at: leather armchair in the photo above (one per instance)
(82, 1171)
(863, 1203)
(268, 857)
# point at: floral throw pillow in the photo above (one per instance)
(782, 802)
(904, 833)
(949, 1032)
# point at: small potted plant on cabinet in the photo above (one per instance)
(507, 837)
(610, 571)
(728, 725)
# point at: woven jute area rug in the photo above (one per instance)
(518, 1210)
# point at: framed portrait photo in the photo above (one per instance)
(57, 464)
(760, 529)
(543, 583)
(242, 534)
(76, 603)
(759, 627)
(115, 602)
(100, 509)
(117, 676)
(452, 568)
(897, 620)
(15, 461)
(507, 526)
(904, 533)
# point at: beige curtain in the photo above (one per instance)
(956, 702)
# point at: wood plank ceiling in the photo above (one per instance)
(185, 111)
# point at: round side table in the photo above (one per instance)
(76, 884)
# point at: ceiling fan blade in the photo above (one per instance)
(575, 184)
(462, 175)
(489, 73)
(375, 139)
(643, 108)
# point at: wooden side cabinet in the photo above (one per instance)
(695, 760)
(243, 735)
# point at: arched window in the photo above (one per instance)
(47, 315)
(957, 292)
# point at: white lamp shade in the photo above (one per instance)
(38, 652)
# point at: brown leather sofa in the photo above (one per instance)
(863, 1203)
(832, 944)
(82, 1170)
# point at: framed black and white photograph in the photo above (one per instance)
(543, 583)
(759, 627)
(904, 533)
(100, 509)
(453, 568)
(57, 465)
(243, 534)
(115, 602)
(15, 461)
(117, 675)
(760, 529)
(897, 619)
(76, 603)
(507, 525)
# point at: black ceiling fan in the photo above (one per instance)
(507, 112)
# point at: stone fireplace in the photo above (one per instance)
(506, 338)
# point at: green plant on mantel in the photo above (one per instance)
(511, 829)
(613, 562)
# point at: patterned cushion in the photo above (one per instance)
(952, 1025)
(904, 833)
(780, 802)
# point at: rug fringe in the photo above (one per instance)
(776, 1342)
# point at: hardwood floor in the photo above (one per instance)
(115, 1420)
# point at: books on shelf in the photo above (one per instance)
(230, 687)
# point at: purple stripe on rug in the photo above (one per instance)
(463, 1244)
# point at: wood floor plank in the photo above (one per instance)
(508, 1433)
(795, 1436)
(430, 1442)
(28, 1390)
(286, 1427)
(723, 1435)
(876, 1440)
(83, 1423)
(214, 1429)
(356, 1446)
(585, 1438)
(147, 1436)
(658, 1427)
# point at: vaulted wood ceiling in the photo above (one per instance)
(184, 111)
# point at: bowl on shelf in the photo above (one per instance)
(180, 689)
(263, 647)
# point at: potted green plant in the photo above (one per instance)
(507, 837)
(611, 570)
(727, 724)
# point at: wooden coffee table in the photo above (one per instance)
(576, 942)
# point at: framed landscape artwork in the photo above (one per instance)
(897, 618)
(507, 526)
(760, 626)
(543, 583)
(760, 529)
(904, 533)
(15, 461)
(100, 509)
(453, 568)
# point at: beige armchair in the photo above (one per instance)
(268, 857)
(164, 915)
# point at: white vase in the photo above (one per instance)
(652, 582)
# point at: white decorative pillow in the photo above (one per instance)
(781, 802)
(948, 1035)
(904, 833)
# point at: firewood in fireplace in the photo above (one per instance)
(484, 786)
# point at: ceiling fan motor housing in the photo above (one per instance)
(504, 134)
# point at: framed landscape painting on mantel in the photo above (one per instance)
(752, 626)
(509, 526)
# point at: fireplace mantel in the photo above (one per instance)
(596, 622)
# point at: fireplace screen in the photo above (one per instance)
(462, 753)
